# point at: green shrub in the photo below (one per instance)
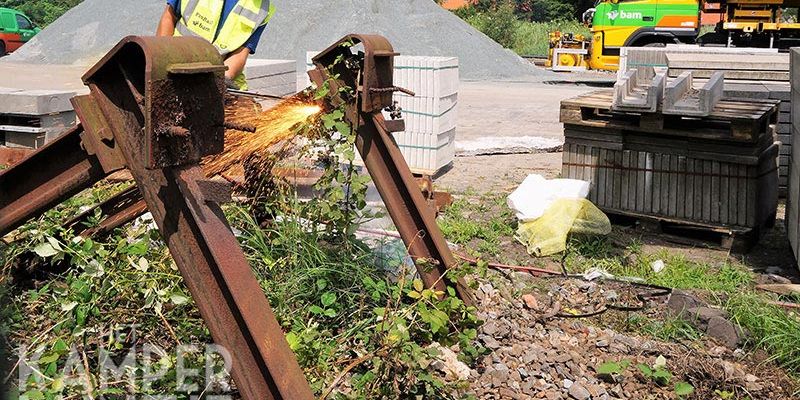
(532, 38)
(500, 24)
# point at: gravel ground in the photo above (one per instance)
(415, 27)
(537, 355)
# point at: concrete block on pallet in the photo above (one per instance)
(681, 98)
(752, 62)
(746, 90)
(34, 102)
(24, 140)
(779, 91)
(639, 90)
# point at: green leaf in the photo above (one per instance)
(328, 299)
(330, 313)
(683, 389)
(293, 340)
(316, 310)
(662, 376)
(32, 395)
(321, 284)
(418, 285)
(609, 368)
(94, 269)
(45, 250)
(414, 294)
(52, 357)
(645, 369)
(55, 243)
(60, 347)
(178, 298)
(68, 306)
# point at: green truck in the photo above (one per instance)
(15, 30)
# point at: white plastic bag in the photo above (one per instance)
(536, 194)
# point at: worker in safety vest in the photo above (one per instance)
(234, 27)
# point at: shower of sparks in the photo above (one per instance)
(273, 126)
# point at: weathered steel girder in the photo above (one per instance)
(364, 83)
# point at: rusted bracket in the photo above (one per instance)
(371, 76)
(142, 93)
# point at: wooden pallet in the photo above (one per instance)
(737, 240)
(732, 119)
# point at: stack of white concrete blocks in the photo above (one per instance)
(31, 118)
(271, 77)
(428, 143)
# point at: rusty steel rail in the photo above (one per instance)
(46, 178)
(120, 209)
(156, 87)
(156, 108)
(364, 86)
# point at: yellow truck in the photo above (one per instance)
(635, 23)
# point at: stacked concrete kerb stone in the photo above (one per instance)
(793, 201)
(428, 142)
(749, 73)
(271, 77)
(31, 118)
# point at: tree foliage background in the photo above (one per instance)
(42, 12)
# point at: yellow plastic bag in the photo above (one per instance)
(547, 235)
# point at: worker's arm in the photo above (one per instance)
(166, 27)
(236, 62)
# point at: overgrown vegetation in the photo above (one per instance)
(113, 317)
(43, 12)
(514, 26)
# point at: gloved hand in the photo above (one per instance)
(230, 84)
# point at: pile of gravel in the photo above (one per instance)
(415, 27)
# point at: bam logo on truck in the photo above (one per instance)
(623, 15)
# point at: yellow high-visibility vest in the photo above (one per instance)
(201, 18)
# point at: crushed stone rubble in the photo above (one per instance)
(535, 355)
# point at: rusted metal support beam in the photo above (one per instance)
(364, 84)
(143, 100)
(119, 210)
(414, 219)
(46, 178)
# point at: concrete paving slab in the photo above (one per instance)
(43, 77)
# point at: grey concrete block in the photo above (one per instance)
(785, 118)
(680, 97)
(34, 102)
(779, 92)
(23, 140)
(258, 67)
(640, 89)
(56, 124)
(746, 90)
